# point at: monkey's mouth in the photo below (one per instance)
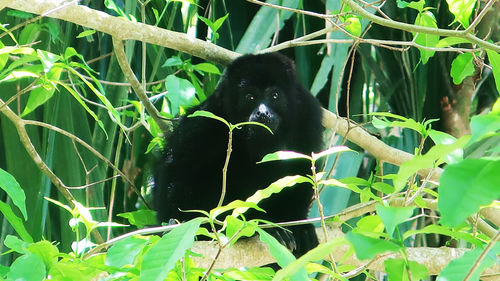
(270, 123)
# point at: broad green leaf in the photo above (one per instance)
(16, 244)
(273, 188)
(494, 59)
(458, 268)
(234, 205)
(462, 67)
(86, 33)
(370, 224)
(393, 216)
(428, 40)
(462, 10)
(368, 247)
(140, 218)
(238, 228)
(180, 93)
(283, 155)
(4, 57)
(443, 230)
(329, 151)
(207, 67)
(353, 25)
(42, 94)
(439, 137)
(203, 113)
(162, 256)
(131, 246)
(281, 254)
(18, 74)
(253, 273)
(46, 251)
(9, 184)
(399, 269)
(417, 5)
(47, 59)
(465, 186)
(483, 126)
(29, 267)
(218, 23)
(173, 61)
(450, 41)
(316, 254)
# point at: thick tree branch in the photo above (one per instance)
(124, 29)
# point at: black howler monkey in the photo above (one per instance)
(262, 88)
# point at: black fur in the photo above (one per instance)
(261, 88)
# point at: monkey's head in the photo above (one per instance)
(259, 88)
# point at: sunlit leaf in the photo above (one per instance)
(462, 10)
(462, 67)
(465, 186)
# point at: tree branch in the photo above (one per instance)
(124, 29)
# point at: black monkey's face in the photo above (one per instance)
(265, 105)
(258, 89)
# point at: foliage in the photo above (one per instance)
(70, 127)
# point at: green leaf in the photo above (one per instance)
(494, 59)
(443, 230)
(399, 269)
(234, 205)
(439, 137)
(173, 61)
(218, 23)
(283, 155)
(353, 25)
(417, 5)
(462, 67)
(393, 216)
(207, 67)
(238, 228)
(458, 268)
(9, 184)
(462, 10)
(428, 40)
(162, 256)
(273, 188)
(16, 244)
(203, 113)
(281, 254)
(29, 267)
(46, 251)
(180, 93)
(368, 247)
(484, 126)
(450, 41)
(329, 151)
(131, 246)
(466, 186)
(140, 218)
(42, 94)
(316, 254)
(86, 33)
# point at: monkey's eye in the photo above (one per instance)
(249, 97)
(275, 96)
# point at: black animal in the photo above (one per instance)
(262, 88)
